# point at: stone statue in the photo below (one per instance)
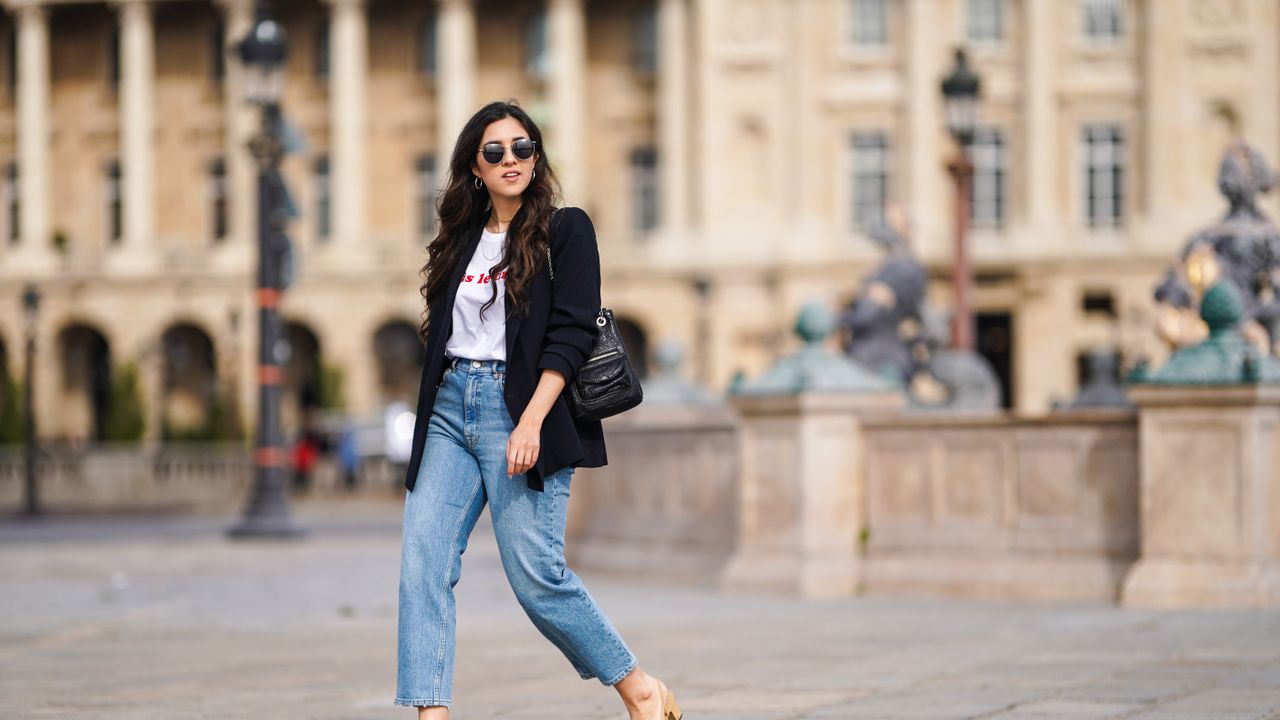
(667, 386)
(1242, 249)
(1103, 388)
(815, 368)
(948, 379)
(888, 328)
(1178, 320)
(1226, 357)
(883, 319)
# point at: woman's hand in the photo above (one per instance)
(526, 439)
(523, 445)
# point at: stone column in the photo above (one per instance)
(137, 125)
(240, 125)
(455, 73)
(1039, 92)
(348, 97)
(673, 114)
(33, 133)
(148, 354)
(567, 43)
(918, 146)
(1162, 81)
(710, 128)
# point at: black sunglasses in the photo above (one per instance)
(494, 152)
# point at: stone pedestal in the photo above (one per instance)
(801, 508)
(1210, 504)
(663, 509)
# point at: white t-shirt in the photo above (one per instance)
(472, 338)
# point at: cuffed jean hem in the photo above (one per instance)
(624, 673)
(421, 702)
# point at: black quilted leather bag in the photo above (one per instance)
(606, 383)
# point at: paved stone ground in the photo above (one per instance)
(160, 617)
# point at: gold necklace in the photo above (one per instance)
(502, 222)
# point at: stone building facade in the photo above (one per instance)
(730, 152)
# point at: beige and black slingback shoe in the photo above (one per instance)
(670, 710)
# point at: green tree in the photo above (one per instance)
(126, 418)
(227, 414)
(220, 424)
(11, 425)
(331, 387)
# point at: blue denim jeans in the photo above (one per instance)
(464, 465)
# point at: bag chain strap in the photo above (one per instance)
(600, 317)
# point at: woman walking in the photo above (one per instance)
(502, 341)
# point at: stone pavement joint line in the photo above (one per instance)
(161, 617)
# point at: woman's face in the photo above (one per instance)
(510, 176)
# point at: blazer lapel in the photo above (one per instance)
(513, 327)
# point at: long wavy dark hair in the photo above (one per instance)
(464, 210)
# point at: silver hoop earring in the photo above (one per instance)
(535, 175)
(477, 182)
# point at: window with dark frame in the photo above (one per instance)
(218, 52)
(113, 57)
(986, 21)
(1098, 302)
(987, 191)
(644, 189)
(1103, 19)
(115, 205)
(323, 198)
(535, 45)
(11, 59)
(426, 44)
(870, 26)
(644, 40)
(870, 178)
(427, 186)
(320, 51)
(11, 202)
(1104, 167)
(218, 199)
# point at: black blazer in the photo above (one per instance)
(557, 333)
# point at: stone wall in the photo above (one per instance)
(178, 477)
(1002, 506)
(190, 478)
(993, 506)
(666, 504)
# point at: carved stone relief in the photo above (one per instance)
(1219, 31)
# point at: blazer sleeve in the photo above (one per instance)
(575, 294)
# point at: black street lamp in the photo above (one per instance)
(262, 53)
(961, 90)
(31, 304)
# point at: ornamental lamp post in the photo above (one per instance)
(702, 288)
(31, 305)
(262, 53)
(961, 90)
